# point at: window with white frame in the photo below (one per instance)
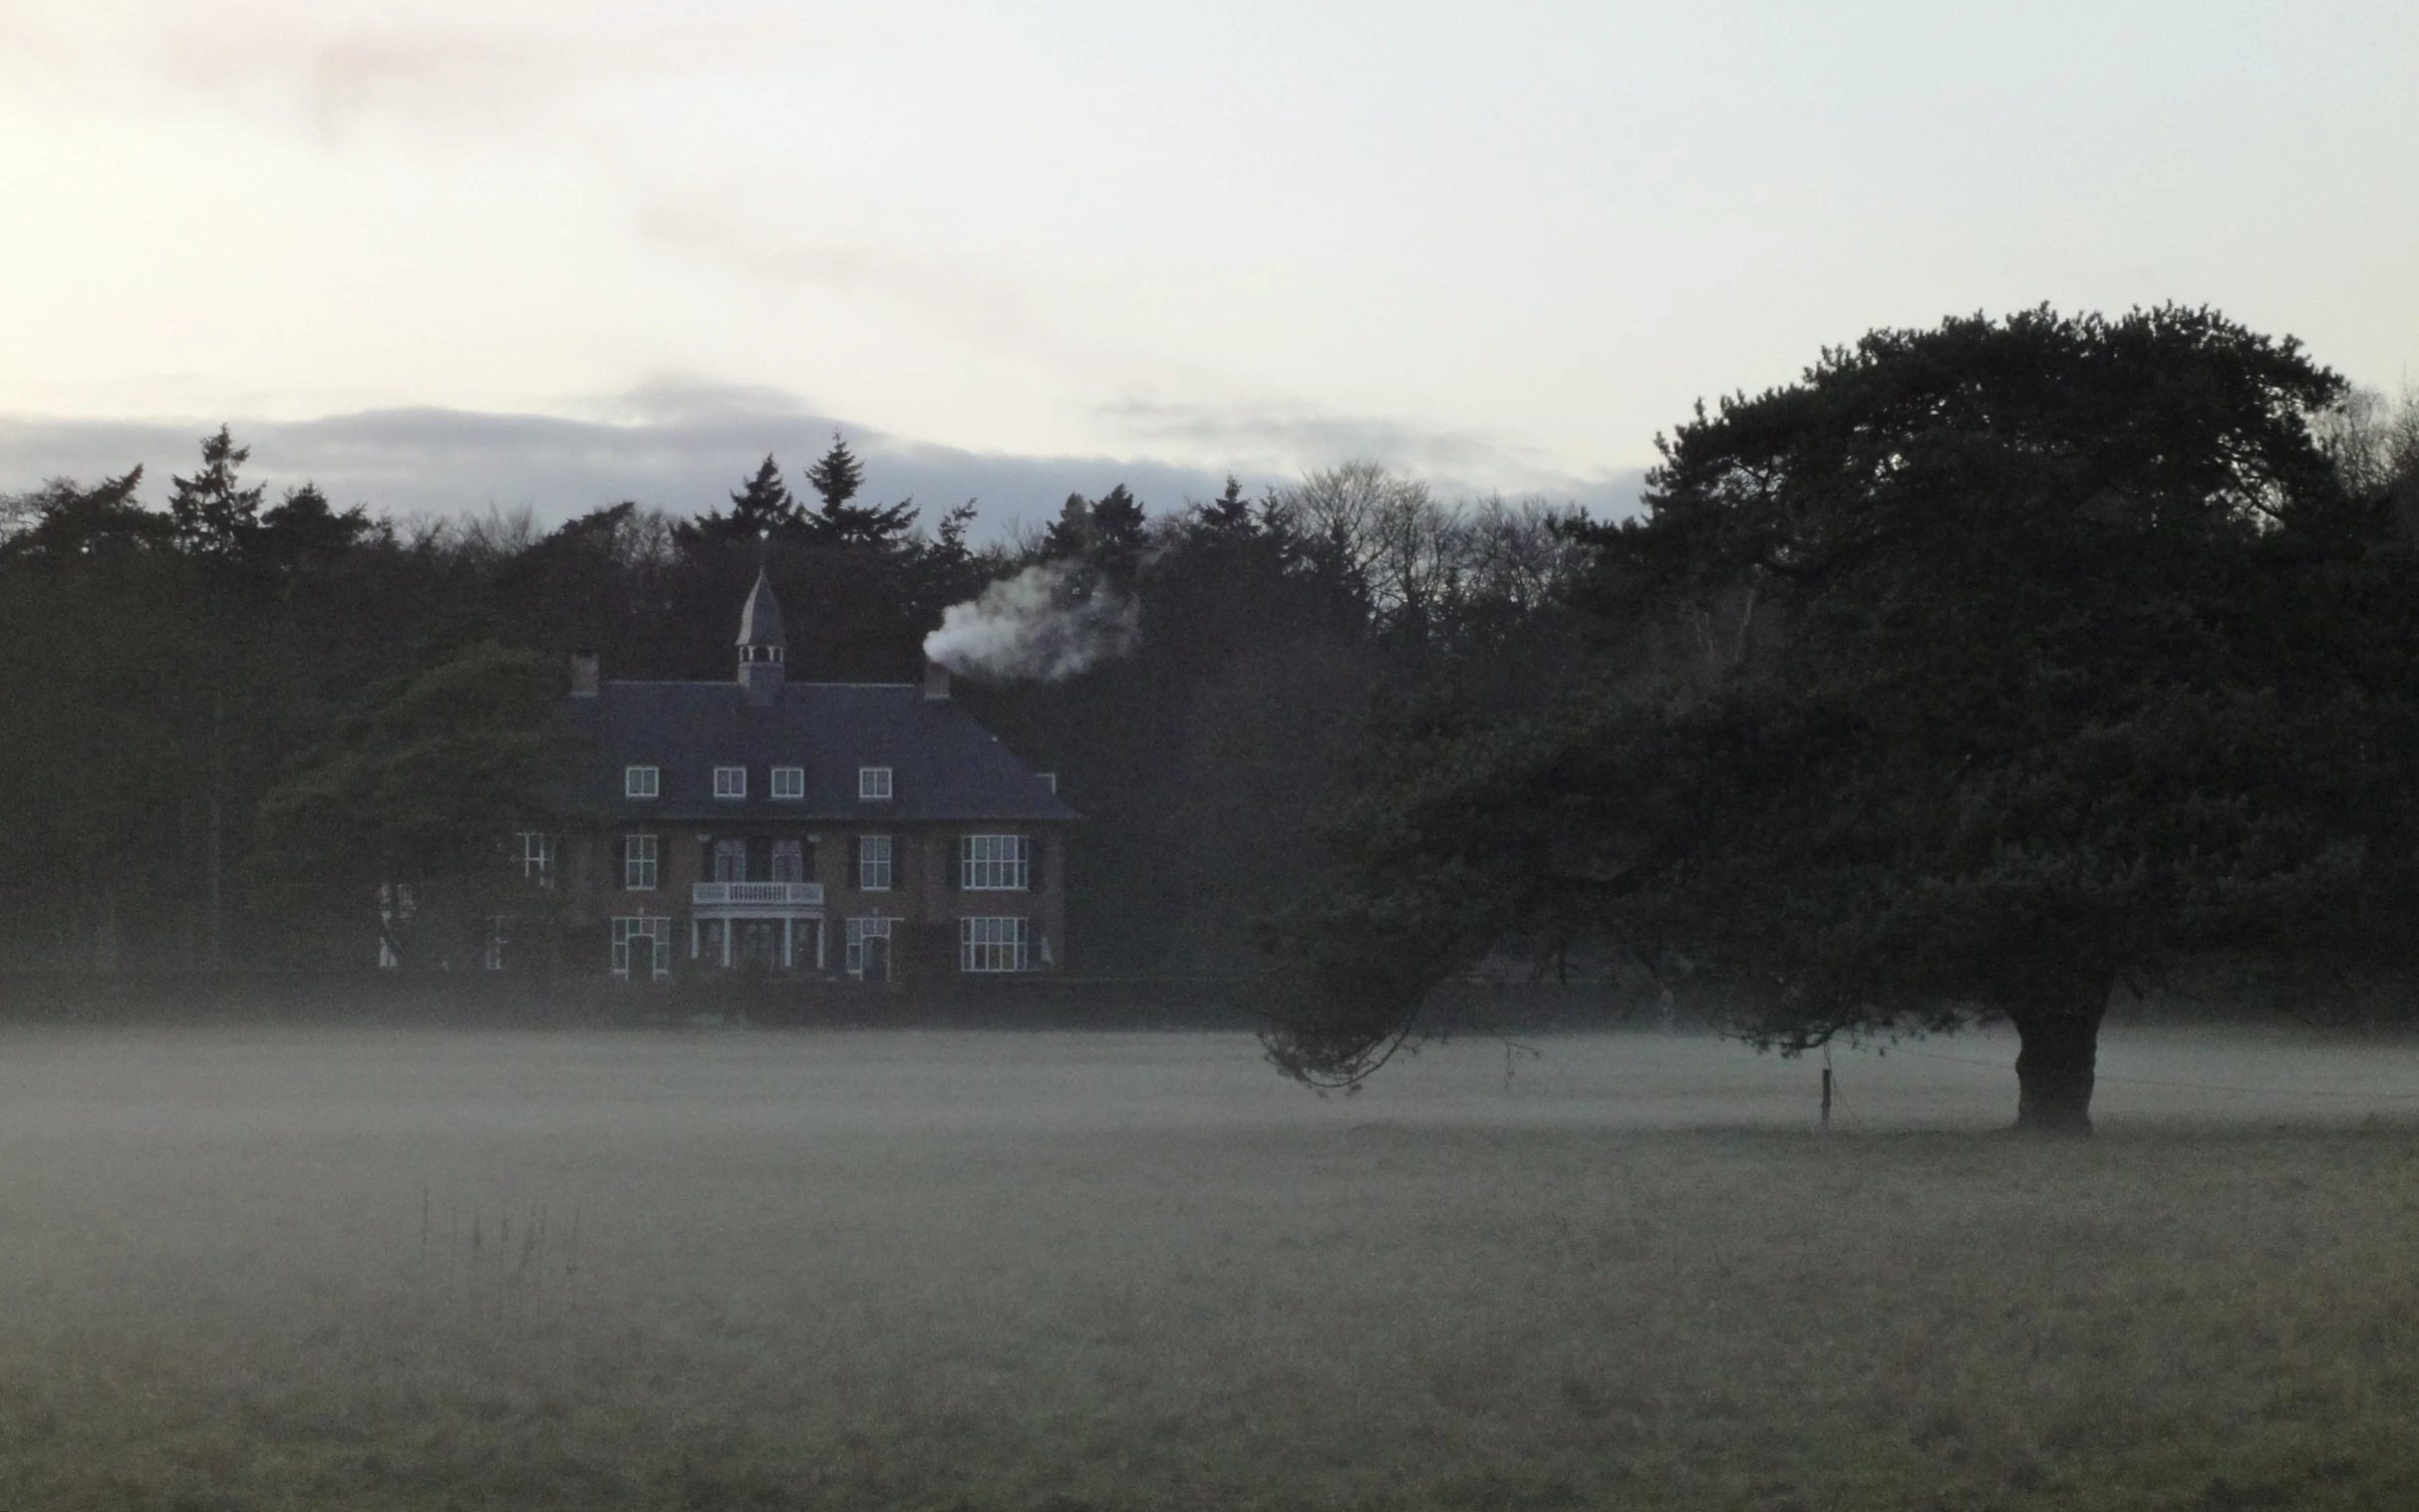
(873, 784)
(858, 932)
(994, 864)
(990, 945)
(498, 936)
(873, 863)
(638, 863)
(790, 782)
(788, 861)
(642, 947)
(642, 782)
(536, 858)
(731, 860)
(731, 781)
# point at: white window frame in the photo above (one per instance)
(792, 851)
(734, 850)
(642, 782)
(537, 858)
(995, 944)
(656, 930)
(994, 863)
(874, 784)
(789, 784)
(866, 864)
(642, 859)
(855, 932)
(730, 783)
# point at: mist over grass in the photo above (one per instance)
(266, 1269)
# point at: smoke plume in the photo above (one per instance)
(1050, 621)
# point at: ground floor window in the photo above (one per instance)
(991, 945)
(642, 948)
(866, 953)
(499, 935)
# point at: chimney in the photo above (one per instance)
(583, 674)
(935, 682)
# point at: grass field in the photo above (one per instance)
(254, 1269)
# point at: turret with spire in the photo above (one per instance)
(762, 647)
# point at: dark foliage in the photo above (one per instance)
(1984, 668)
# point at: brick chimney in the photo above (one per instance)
(583, 674)
(935, 682)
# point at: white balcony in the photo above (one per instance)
(756, 895)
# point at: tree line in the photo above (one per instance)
(1983, 672)
(233, 721)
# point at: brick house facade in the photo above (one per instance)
(847, 832)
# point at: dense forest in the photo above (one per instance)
(228, 717)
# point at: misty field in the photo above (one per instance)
(704, 1269)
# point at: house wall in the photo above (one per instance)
(925, 895)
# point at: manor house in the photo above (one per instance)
(866, 832)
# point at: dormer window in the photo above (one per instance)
(731, 781)
(790, 782)
(641, 781)
(873, 784)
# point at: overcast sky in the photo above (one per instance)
(444, 254)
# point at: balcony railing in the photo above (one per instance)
(755, 894)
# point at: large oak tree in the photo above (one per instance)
(1980, 669)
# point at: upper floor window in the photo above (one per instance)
(790, 782)
(873, 784)
(873, 863)
(537, 858)
(731, 860)
(994, 863)
(641, 781)
(1050, 779)
(788, 861)
(638, 862)
(731, 781)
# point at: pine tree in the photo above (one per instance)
(837, 475)
(763, 508)
(836, 479)
(208, 513)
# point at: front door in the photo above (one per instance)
(759, 944)
(876, 950)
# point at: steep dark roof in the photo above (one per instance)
(944, 766)
(761, 620)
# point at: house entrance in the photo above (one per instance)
(759, 944)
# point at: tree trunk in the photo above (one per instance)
(2056, 1060)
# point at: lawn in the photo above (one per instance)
(255, 1269)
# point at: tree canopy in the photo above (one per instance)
(1981, 669)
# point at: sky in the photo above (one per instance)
(444, 256)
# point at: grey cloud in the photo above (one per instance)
(1287, 438)
(682, 448)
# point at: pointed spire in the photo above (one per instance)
(760, 621)
(763, 648)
